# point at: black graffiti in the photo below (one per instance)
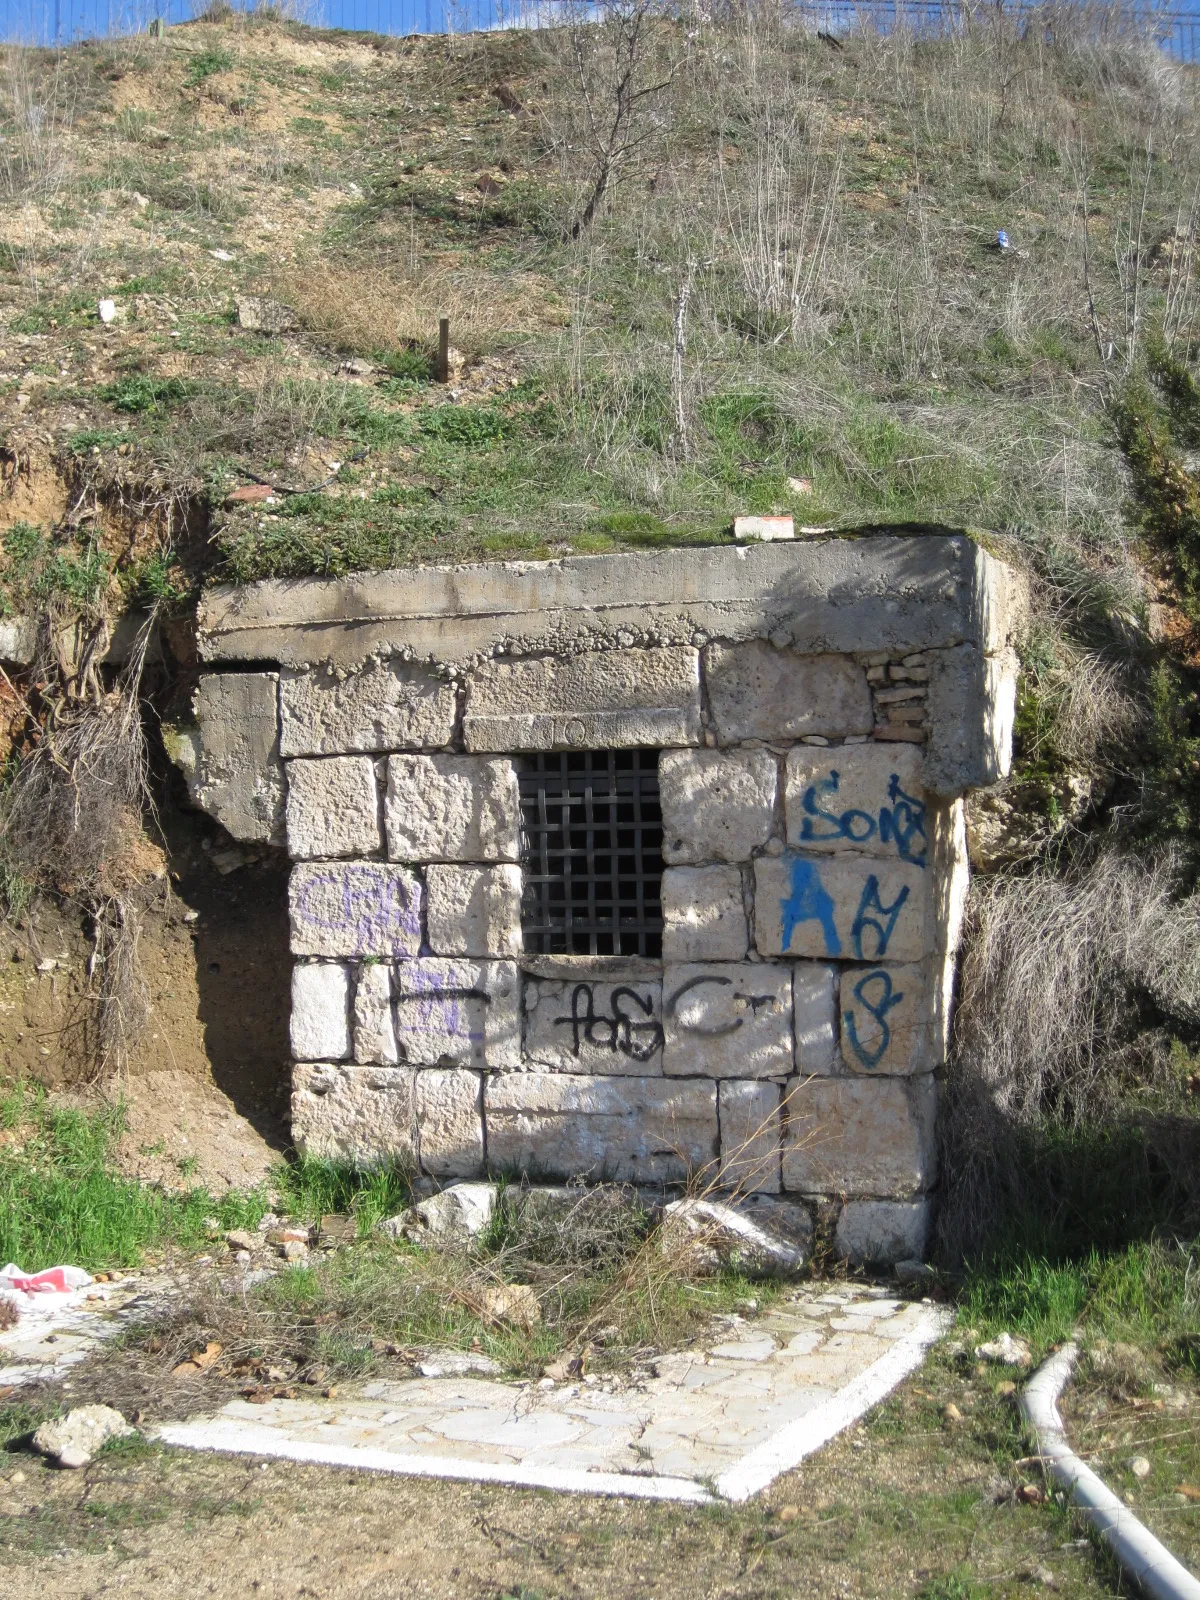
(638, 1037)
(716, 1030)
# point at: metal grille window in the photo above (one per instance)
(591, 853)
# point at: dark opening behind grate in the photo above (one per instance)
(591, 853)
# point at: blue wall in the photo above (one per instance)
(64, 21)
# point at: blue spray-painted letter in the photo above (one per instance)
(883, 924)
(888, 997)
(809, 901)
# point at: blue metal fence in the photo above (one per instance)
(60, 22)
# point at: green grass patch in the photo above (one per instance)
(62, 1201)
(145, 395)
(1144, 1294)
(206, 64)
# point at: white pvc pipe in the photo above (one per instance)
(1151, 1564)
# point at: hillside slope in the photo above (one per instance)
(877, 280)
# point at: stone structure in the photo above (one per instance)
(818, 711)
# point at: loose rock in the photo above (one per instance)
(1011, 1352)
(514, 1303)
(457, 1213)
(710, 1234)
(73, 1440)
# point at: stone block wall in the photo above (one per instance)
(787, 1043)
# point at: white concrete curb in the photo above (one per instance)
(1147, 1561)
(239, 1438)
(803, 1438)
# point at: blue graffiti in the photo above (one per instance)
(809, 901)
(883, 924)
(902, 824)
(857, 826)
(878, 1009)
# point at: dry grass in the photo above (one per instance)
(71, 820)
(369, 309)
(585, 1279)
(1064, 979)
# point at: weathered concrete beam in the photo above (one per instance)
(873, 592)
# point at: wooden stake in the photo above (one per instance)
(443, 355)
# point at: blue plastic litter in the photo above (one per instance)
(1001, 240)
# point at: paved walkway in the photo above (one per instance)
(723, 1419)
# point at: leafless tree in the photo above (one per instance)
(619, 74)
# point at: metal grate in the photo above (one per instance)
(591, 850)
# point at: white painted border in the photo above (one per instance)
(760, 1467)
(790, 1445)
(249, 1438)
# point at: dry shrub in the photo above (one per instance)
(369, 309)
(1065, 974)
(72, 821)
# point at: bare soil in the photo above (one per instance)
(206, 1094)
(900, 1507)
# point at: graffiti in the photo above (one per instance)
(709, 1029)
(809, 901)
(877, 1008)
(367, 909)
(631, 1027)
(431, 1006)
(901, 823)
(883, 925)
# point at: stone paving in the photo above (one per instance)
(723, 1418)
(47, 1341)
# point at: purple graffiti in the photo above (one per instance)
(364, 907)
(432, 1005)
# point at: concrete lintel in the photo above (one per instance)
(873, 592)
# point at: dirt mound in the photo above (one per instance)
(182, 1131)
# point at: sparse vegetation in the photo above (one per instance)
(61, 1200)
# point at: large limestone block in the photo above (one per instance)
(474, 911)
(452, 808)
(814, 1004)
(888, 1018)
(333, 808)
(860, 1136)
(386, 705)
(354, 908)
(605, 700)
(751, 1129)
(878, 1233)
(864, 797)
(717, 805)
(581, 1025)
(849, 908)
(320, 1012)
(450, 1123)
(971, 706)
(704, 914)
(361, 1115)
(374, 1028)
(237, 776)
(759, 692)
(456, 1011)
(727, 1020)
(616, 1130)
